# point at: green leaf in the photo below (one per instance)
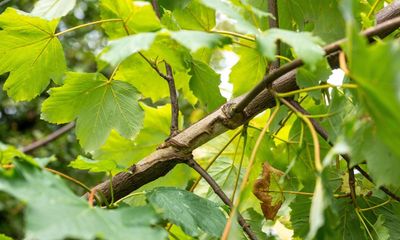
(136, 16)
(50, 9)
(31, 53)
(195, 17)
(54, 212)
(154, 132)
(379, 86)
(248, 71)
(195, 40)
(204, 84)
(188, 210)
(4, 237)
(84, 163)
(99, 105)
(305, 45)
(232, 12)
(307, 78)
(120, 49)
(321, 17)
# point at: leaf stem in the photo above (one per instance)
(376, 206)
(247, 174)
(373, 8)
(244, 134)
(71, 179)
(313, 88)
(233, 34)
(111, 188)
(129, 196)
(87, 25)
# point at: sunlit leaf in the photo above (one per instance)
(50, 9)
(31, 52)
(98, 104)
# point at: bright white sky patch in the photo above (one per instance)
(336, 78)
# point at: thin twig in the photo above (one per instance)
(323, 133)
(389, 25)
(48, 139)
(217, 189)
(171, 84)
(352, 185)
(274, 23)
(174, 101)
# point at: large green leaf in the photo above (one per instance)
(99, 104)
(31, 53)
(248, 71)
(195, 17)
(204, 84)
(136, 16)
(305, 45)
(188, 210)
(154, 132)
(54, 212)
(379, 86)
(50, 9)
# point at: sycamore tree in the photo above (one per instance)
(206, 119)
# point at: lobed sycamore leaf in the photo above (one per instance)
(99, 105)
(188, 210)
(54, 212)
(136, 17)
(51, 9)
(31, 52)
(305, 45)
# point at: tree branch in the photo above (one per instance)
(49, 138)
(178, 148)
(246, 227)
(383, 28)
(171, 84)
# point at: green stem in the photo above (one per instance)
(111, 188)
(87, 25)
(373, 8)
(234, 34)
(288, 94)
(376, 206)
(129, 196)
(244, 134)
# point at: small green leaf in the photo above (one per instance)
(305, 45)
(120, 49)
(136, 16)
(84, 163)
(54, 212)
(99, 105)
(195, 17)
(231, 11)
(204, 84)
(188, 210)
(50, 9)
(30, 52)
(248, 71)
(195, 40)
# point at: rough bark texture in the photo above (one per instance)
(178, 149)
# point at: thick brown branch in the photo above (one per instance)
(49, 138)
(246, 227)
(178, 148)
(383, 28)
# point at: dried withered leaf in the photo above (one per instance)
(261, 190)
